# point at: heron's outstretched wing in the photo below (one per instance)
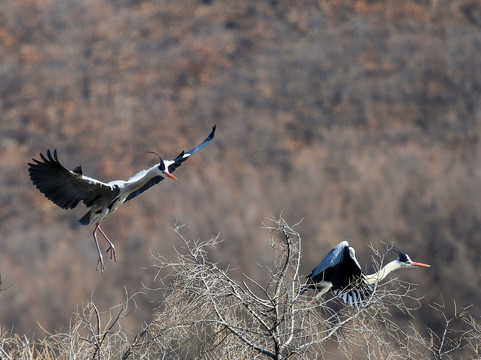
(344, 272)
(155, 180)
(66, 188)
(185, 155)
(324, 270)
(341, 269)
(174, 164)
(333, 258)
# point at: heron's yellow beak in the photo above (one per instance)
(168, 174)
(419, 264)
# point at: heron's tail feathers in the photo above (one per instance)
(355, 297)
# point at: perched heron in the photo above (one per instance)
(341, 273)
(66, 188)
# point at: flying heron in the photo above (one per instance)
(66, 188)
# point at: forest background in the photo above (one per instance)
(362, 118)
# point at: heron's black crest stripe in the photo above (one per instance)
(396, 250)
(403, 257)
(153, 152)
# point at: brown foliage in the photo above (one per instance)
(205, 313)
(361, 117)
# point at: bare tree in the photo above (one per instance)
(453, 337)
(205, 313)
(269, 319)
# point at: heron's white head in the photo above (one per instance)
(405, 261)
(163, 167)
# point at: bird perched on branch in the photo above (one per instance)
(66, 188)
(341, 273)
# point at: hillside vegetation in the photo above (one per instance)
(362, 118)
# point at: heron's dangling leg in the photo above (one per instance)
(112, 247)
(100, 261)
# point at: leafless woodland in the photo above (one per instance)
(362, 118)
(206, 313)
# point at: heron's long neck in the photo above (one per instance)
(381, 274)
(142, 177)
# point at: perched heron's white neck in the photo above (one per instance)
(381, 274)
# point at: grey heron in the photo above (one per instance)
(341, 273)
(66, 188)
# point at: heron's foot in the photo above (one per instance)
(100, 262)
(113, 254)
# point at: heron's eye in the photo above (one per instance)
(162, 166)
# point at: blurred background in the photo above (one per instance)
(362, 118)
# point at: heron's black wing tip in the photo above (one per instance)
(212, 133)
(208, 139)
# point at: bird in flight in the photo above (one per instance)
(341, 273)
(66, 188)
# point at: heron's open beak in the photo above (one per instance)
(168, 174)
(419, 264)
